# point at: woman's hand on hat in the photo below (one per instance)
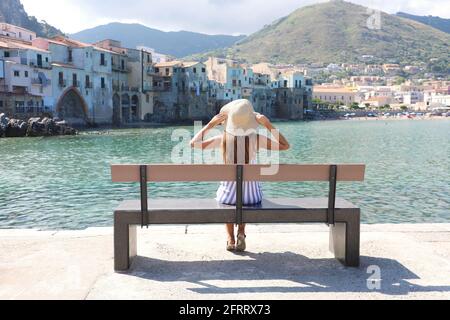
(263, 120)
(218, 120)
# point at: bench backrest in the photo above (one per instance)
(239, 173)
(215, 173)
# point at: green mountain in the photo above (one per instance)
(435, 22)
(178, 44)
(13, 12)
(339, 31)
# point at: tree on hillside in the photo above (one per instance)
(400, 80)
(441, 66)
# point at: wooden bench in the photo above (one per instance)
(342, 216)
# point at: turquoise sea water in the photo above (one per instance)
(64, 182)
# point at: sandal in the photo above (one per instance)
(241, 246)
(231, 247)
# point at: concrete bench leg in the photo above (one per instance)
(125, 244)
(345, 241)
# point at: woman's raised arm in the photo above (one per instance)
(279, 144)
(198, 141)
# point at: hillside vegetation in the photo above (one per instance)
(338, 31)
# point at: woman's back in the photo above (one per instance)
(240, 144)
(252, 190)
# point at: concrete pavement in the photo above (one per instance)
(282, 262)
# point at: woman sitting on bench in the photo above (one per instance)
(240, 144)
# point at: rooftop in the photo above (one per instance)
(177, 63)
(4, 24)
(189, 64)
(168, 64)
(10, 43)
(332, 89)
(61, 40)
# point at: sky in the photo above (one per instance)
(205, 16)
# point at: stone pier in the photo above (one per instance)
(409, 261)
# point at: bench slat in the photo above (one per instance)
(214, 173)
(208, 211)
(212, 204)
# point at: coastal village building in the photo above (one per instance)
(15, 32)
(157, 57)
(191, 83)
(268, 69)
(373, 69)
(336, 95)
(408, 94)
(25, 75)
(391, 69)
(247, 82)
(293, 95)
(353, 68)
(82, 80)
(133, 98)
(276, 91)
(230, 74)
(334, 68)
(263, 95)
(182, 92)
(440, 87)
(378, 102)
(105, 83)
(432, 98)
(364, 81)
(387, 92)
(292, 90)
(412, 69)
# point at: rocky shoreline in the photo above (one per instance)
(34, 127)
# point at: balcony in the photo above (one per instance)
(42, 65)
(62, 83)
(37, 81)
(154, 73)
(76, 84)
(201, 89)
(161, 89)
(260, 83)
(147, 87)
(117, 68)
(89, 85)
(20, 90)
(158, 76)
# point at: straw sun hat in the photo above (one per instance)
(241, 118)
